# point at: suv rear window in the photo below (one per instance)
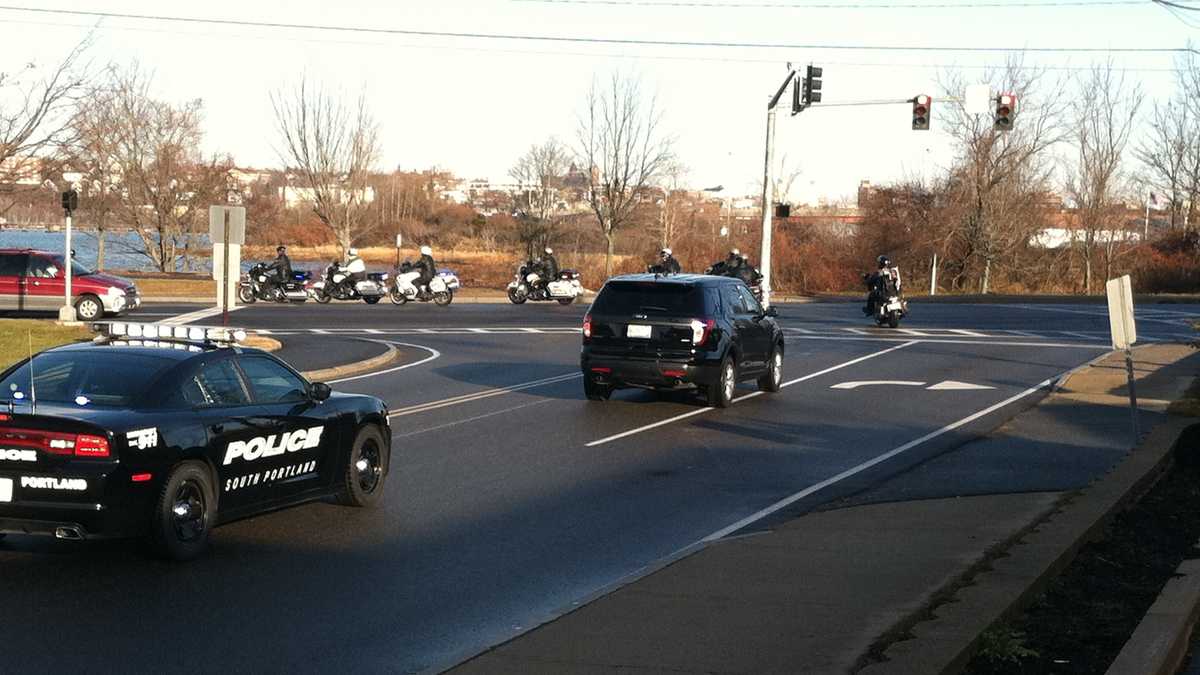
(624, 298)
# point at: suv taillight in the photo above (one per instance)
(587, 326)
(701, 330)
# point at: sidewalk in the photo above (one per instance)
(837, 591)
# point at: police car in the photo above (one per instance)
(167, 431)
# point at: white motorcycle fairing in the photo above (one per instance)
(564, 288)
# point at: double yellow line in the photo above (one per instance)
(480, 395)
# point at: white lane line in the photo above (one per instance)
(199, 314)
(857, 331)
(968, 333)
(1093, 344)
(476, 418)
(1023, 333)
(480, 395)
(264, 331)
(799, 330)
(478, 330)
(372, 331)
(1138, 316)
(433, 354)
(788, 501)
(915, 333)
(318, 331)
(701, 411)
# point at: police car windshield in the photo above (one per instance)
(84, 378)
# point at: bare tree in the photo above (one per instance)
(671, 210)
(94, 153)
(1170, 153)
(995, 166)
(36, 107)
(1103, 115)
(166, 185)
(783, 180)
(538, 193)
(623, 147)
(332, 148)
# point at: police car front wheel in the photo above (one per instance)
(362, 484)
(185, 512)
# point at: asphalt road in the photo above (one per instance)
(512, 498)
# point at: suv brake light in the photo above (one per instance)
(701, 330)
(587, 326)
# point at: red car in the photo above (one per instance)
(32, 280)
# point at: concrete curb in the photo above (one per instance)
(356, 368)
(1160, 642)
(946, 643)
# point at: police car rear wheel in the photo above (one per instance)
(362, 484)
(184, 514)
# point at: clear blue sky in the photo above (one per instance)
(472, 106)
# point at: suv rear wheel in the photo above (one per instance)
(720, 393)
(773, 378)
(184, 513)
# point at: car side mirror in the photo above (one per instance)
(771, 312)
(319, 391)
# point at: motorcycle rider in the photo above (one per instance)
(667, 264)
(420, 274)
(883, 282)
(549, 265)
(281, 267)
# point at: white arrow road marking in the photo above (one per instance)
(872, 383)
(951, 385)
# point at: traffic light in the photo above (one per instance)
(812, 86)
(1006, 112)
(922, 104)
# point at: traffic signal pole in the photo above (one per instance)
(768, 196)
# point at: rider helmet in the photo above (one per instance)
(735, 253)
(883, 261)
(281, 249)
(665, 253)
(425, 250)
(549, 251)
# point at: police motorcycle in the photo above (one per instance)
(527, 285)
(884, 302)
(259, 283)
(746, 272)
(440, 289)
(338, 284)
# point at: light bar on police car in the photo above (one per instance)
(164, 331)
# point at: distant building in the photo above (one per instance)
(293, 197)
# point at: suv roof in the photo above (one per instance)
(679, 279)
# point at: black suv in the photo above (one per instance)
(676, 332)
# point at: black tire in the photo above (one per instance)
(566, 301)
(185, 512)
(366, 469)
(443, 298)
(596, 391)
(246, 295)
(322, 296)
(771, 380)
(893, 319)
(371, 299)
(89, 308)
(720, 393)
(397, 297)
(516, 298)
